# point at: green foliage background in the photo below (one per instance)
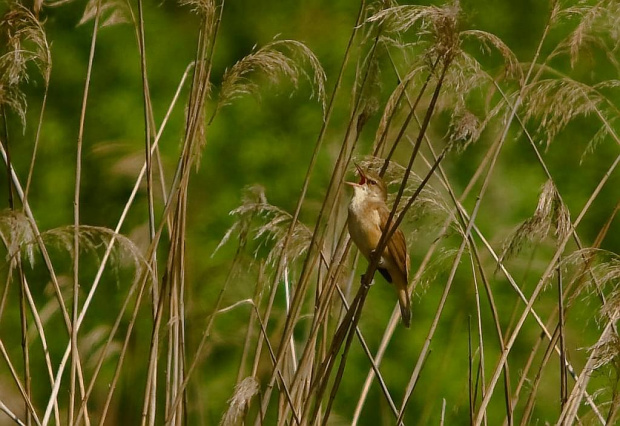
(269, 141)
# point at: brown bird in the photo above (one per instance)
(368, 215)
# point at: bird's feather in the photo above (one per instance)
(396, 246)
(385, 274)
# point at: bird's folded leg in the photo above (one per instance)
(371, 258)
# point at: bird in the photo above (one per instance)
(367, 220)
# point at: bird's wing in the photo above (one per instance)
(397, 245)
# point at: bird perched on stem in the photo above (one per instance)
(368, 215)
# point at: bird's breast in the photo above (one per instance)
(364, 223)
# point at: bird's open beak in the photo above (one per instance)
(362, 177)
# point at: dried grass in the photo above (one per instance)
(550, 213)
(267, 224)
(239, 402)
(278, 60)
(16, 234)
(206, 8)
(111, 12)
(24, 41)
(598, 26)
(94, 239)
(557, 102)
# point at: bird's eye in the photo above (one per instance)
(372, 182)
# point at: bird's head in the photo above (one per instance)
(370, 186)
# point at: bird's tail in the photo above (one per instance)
(405, 305)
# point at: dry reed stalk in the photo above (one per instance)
(551, 267)
(110, 246)
(75, 356)
(280, 264)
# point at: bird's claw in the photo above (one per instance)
(363, 280)
(372, 254)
